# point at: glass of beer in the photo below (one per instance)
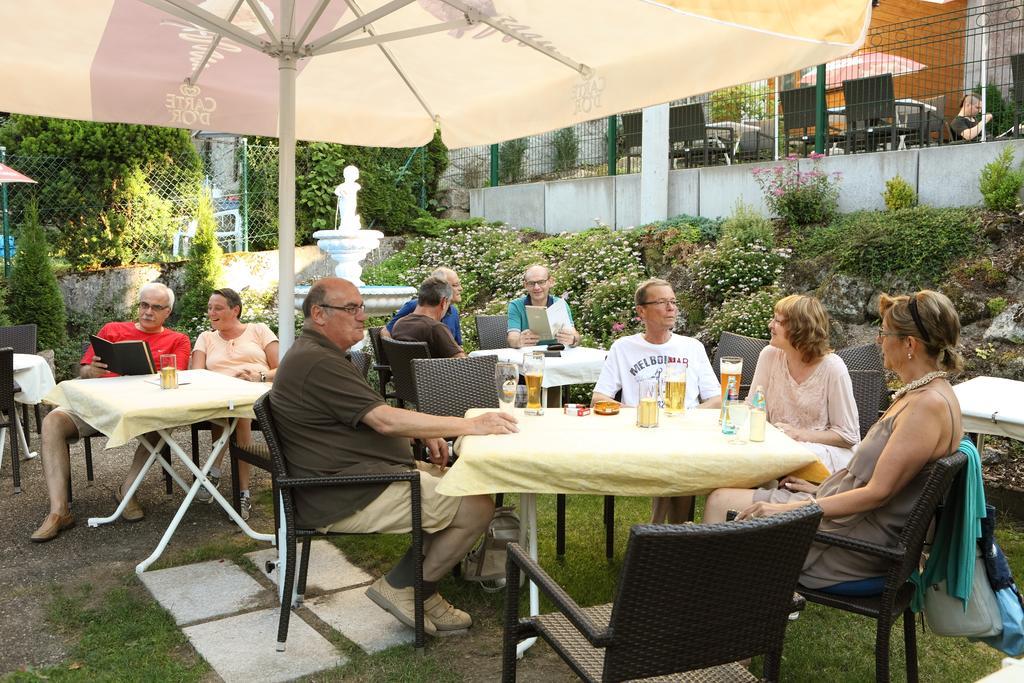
(647, 406)
(533, 370)
(731, 366)
(168, 371)
(506, 377)
(674, 377)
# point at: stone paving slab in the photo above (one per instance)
(360, 620)
(205, 590)
(242, 648)
(328, 568)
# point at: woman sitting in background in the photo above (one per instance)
(807, 387)
(248, 351)
(871, 498)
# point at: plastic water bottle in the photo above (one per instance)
(758, 415)
(731, 394)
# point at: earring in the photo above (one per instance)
(910, 356)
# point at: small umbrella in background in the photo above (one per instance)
(9, 175)
(862, 65)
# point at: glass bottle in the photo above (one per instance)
(758, 415)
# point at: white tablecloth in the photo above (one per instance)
(575, 366)
(33, 374)
(992, 405)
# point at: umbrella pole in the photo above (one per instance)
(6, 222)
(286, 202)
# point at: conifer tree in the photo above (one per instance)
(33, 292)
(204, 270)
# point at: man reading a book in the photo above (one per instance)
(424, 323)
(60, 427)
(538, 283)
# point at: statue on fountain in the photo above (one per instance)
(346, 217)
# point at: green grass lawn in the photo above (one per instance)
(822, 645)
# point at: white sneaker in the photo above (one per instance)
(245, 507)
(203, 495)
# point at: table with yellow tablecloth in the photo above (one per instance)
(123, 408)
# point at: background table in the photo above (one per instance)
(33, 375)
(126, 407)
(992, 405)
(575, 366)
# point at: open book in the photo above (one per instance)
(1012, 130)
(546, 322)
(130, 357)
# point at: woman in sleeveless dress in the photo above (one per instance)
(870, 498)
(807, 387)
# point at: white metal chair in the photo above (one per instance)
(229, 237)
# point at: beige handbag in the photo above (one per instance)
(946, 616)
(486, 562)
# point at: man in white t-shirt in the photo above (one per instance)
(643, 356)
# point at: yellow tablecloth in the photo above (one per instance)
(597, 454)
(122, 408)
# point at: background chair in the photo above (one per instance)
(9, 420)
(747, 348)
(865, 365)
(362, 362)
(903, 558)
(931, 122)
(631, 142)
(672, 614)
(492, 331)
(380, 363)
(871, 113)
(451, 386)
(798, 117)
(400, 355)
(1017, 71)
(688, 135)
(22, 338)
(284, 487)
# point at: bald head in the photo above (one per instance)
(334, 308)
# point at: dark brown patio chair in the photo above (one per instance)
(672, 614)
(798, 117)
(23, 339)
(361, 360)
(689, 138)
(284, 485)
(871, 113)
(9, 410)
(400, 355)
(632, 137)
(492, 331)
(1017, 71)
(865, 365)
(903, 559)
(380, 363)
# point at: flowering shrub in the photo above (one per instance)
(747, 315)
(737, 270)
(607, 312)
(799, 197)
(597, 256)
(746, 226)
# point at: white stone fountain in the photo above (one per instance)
(348, 244)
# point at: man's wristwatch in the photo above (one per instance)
(263, 376)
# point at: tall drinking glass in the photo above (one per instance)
(739, 412)
(168, 371)
(731, 366)
(533, 370)
(674, 376)
(506, 377)
(647, 406)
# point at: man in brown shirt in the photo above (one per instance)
(424, 323)
(330, 421)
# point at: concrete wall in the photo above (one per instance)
(942, 176)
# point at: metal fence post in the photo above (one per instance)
(821, 119)
(494, 165)
(613, 147)
(6, 219)
(245, 194)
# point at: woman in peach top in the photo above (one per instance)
(807, 387)
(248, 351)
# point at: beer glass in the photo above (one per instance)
(647, 406)
(674, 377)
(506, 377)
(731, 366)
(168, 371)
(533, 370)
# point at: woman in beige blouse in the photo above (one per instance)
(807, 387)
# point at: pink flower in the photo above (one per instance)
(816, 156)
(618, 327)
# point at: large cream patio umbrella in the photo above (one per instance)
(388, 73)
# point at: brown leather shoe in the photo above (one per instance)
(52, 526)
(133, 512)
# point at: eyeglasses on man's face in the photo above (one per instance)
(536, 283)
(156, 308)
(661, 302)
(351, 309)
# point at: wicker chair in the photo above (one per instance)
(22, 338)
(672, 614)
(380, 364)
(903, 558)
(747, 348)
(362, 362)
(451, 386)
(492, 331)
(400, 355)
(865, 365)
(284, 487)
(9, 420)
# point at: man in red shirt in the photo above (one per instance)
(61, 426)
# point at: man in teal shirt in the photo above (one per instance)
(537, 282)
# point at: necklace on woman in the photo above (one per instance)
(918, 383)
